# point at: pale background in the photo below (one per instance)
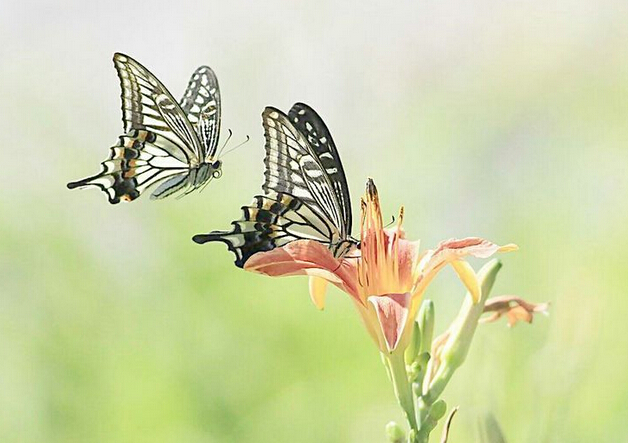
(504, 119)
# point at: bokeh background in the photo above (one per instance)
(504, 119)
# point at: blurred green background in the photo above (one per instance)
(506, 120)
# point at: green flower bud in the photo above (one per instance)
(426, 325)
(395, 433)
(415, 342)
(438, 410)
(414, 370)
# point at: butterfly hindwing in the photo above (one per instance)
(270, 221)
(138, 160)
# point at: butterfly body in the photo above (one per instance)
(305, 191)
(168, 145)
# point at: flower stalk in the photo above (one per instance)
(402, 387)
(446, 354)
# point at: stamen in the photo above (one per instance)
(395, 245)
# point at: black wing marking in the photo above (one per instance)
(138, 161)
(272, 221)
(202, 98)
(309, 123)
(147, 104)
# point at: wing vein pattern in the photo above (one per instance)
(305, 190)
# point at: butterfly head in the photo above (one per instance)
(217, 169)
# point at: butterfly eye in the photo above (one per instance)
(216, 164)
(217, 173)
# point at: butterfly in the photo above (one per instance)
(305, 190)
(165, 143)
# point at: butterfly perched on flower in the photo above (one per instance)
(165, 143)
(305, 190)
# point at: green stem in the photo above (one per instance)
(403, 390)
(454, 351)
(463, 329)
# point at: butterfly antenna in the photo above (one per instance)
(225, 143)
(391, 222)
(237, 146)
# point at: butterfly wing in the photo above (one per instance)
(299, 202)
(139, 160)
(202, 98)
(309, 123)
(271, 221)
(147, 105)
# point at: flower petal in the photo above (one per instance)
(318, 290)
(514, 308)
(306, 257)
(295, 258)
(452, 251)
(455, 249)
(392, 315)
(468, 277)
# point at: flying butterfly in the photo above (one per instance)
(305, 190)
(165, 143)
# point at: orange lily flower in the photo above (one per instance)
(386, 277)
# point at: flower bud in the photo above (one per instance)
(426, 325)
(395, 433)
(415, 342)
(438, 409)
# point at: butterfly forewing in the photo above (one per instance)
(147, 104)
(202, 98)
(293, 168)
(309, 123)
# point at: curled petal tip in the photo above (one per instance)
(318, 291)
(508, 248)
(469, 279)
